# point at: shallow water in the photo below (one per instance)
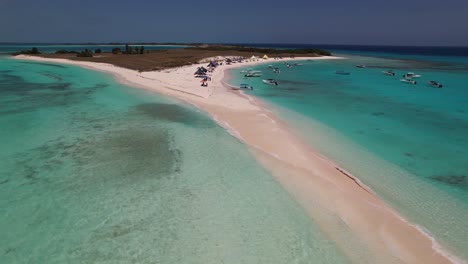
(92, 171)
(408, 143)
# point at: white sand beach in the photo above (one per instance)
(357, 220)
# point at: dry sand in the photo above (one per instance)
(357, 220)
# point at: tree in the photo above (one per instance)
(127, 49)
(34, 50)
(98, 51)
(142, 49)
(85, 53)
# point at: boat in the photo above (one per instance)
(276, 70)
(411, 75)
(253, 74)
(245, 86)
(405, 80)
(342, 72)
(360, 66)
(270, 66)
(297, 64)
(435, 84)
(270, 81)
(389, 72)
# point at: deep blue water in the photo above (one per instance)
(51, 48)
(377, 50)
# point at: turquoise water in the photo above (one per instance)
(92, 171)
(408, 143)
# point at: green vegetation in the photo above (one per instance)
(133, 50)
(260, 50)
(97, 51)
(85, 53)
(34, 50)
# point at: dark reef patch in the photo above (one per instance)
(44, 64)
(174, 113)
(378, 113)
(51, 76)
(19, 96)
(4, 181)
(132, 154)
(453, 180)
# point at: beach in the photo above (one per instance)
(335, 199)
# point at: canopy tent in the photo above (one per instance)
(212, 64)
(265, 56)
(253, 57)
(201, 71)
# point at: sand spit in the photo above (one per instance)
(360, 223)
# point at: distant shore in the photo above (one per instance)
(333, 198)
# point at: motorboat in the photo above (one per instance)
(411, 75)
(270, 81)
(270, 66)
(360, 66)
(245, 86)
(298, 64)
(435, 84)
(389, 72)
(253, 74)
(342, 72)
(276, 70)
(405, 80)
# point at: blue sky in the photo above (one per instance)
(375, 22)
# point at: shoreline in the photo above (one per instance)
(324, 190)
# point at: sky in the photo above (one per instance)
(355, 22)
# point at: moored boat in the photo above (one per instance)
(270, 81)
(253, 74)
(245, 86)
(405, 80)
(411, 75)
(389, 72)
(435, 84)
(276, 70)
(360, 66)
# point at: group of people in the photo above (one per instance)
(205, 81)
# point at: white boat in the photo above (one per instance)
(246, 86)
(389, 72)
(408, 81)
(276, 70)
(253, 74)
(411, 75)
(435, 84)
(270, 81)
(297, 64)
(360, 66)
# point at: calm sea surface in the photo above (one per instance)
(92, 171)
(408, 143)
